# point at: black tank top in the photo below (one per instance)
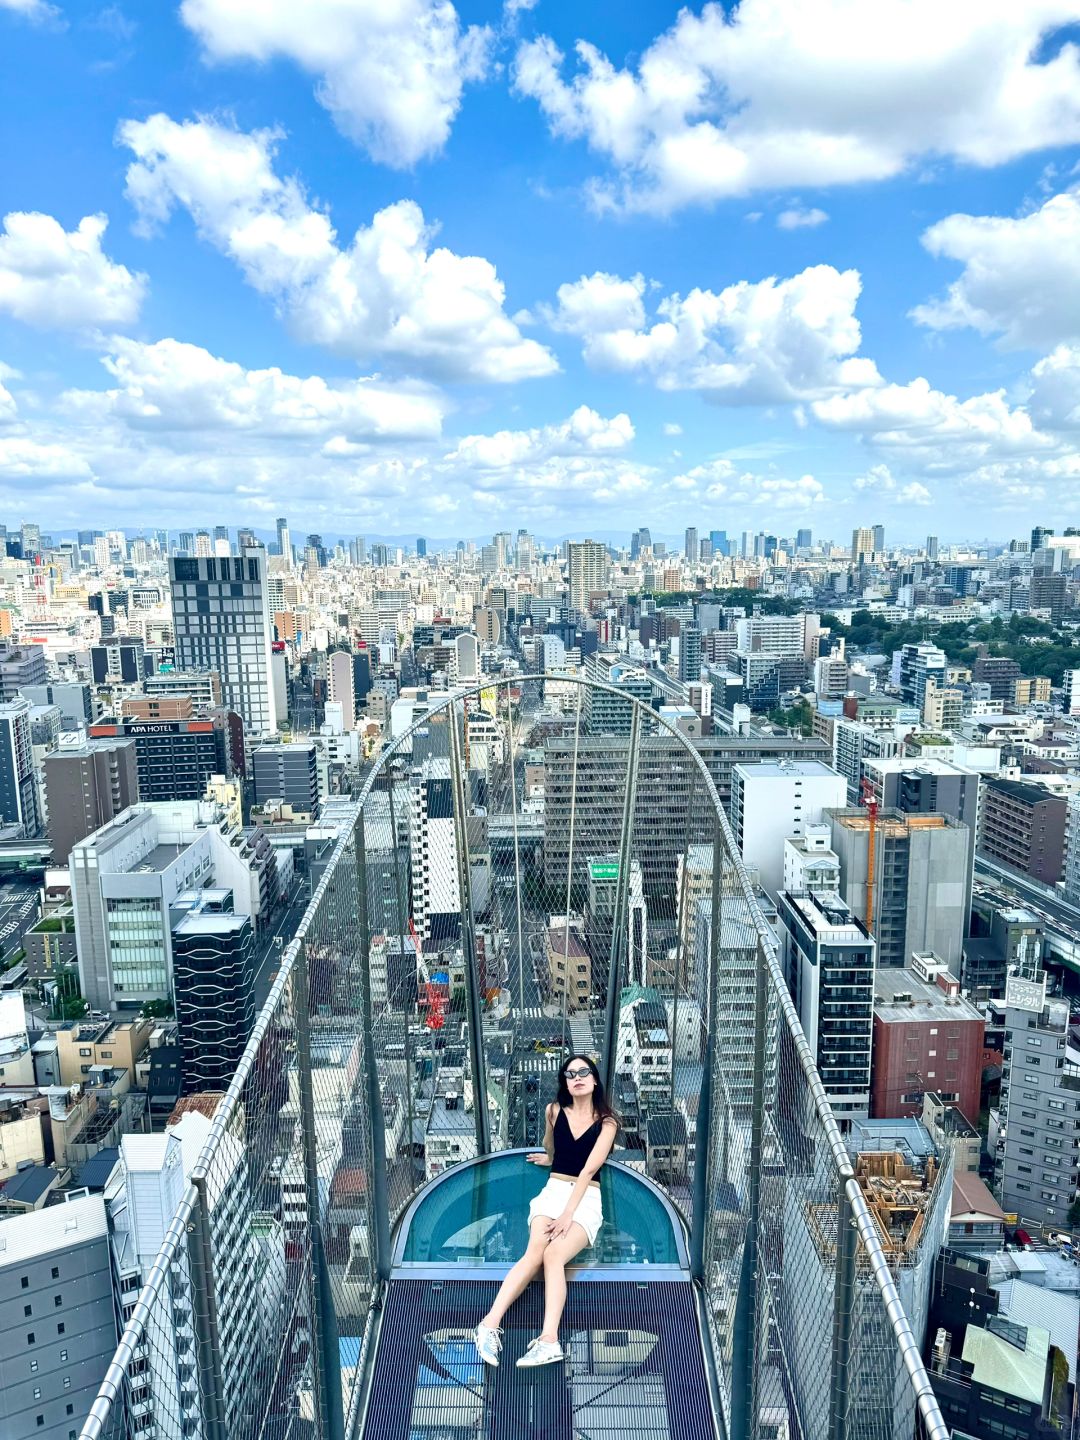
(571, 1154)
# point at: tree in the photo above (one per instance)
(157, 1010)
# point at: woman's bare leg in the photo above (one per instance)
(521, 1275)
(557, 1256)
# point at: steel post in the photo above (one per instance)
(379, 1189)
(622, 887)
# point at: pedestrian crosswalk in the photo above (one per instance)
(537, 1064)
(532, 1012)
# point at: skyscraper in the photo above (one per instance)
(862, 544)
(221, 621)
(1039, 536)
(719, 542)
(803, 540)
(18, 787)
(931, 547)
(690, 546)
(588, 571)
(284, 538)
(421, 548)
(879, 539)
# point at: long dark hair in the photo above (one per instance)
(601, 1105)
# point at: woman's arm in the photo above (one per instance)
(549, 1142)
(597, 1155)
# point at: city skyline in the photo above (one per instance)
(481, 270)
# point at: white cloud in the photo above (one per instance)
(390, 72)
(672, 428)
(389, 294)
(1021, 278)
(721, 480)
(62, 280)
(797, 218)
(1055, 389)
(8, 408)
(35, 10)
(585, 433)
(944, 431)
(753, 343)
(866, 91)
(23, 458)
(173, 387)
(880, 478)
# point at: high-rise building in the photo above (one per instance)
(31, 540)
(1023, 826)
(927, 1040)
(341, 687)
(86, 787)
(828, 958)
(213, 987)
(287, 772)
(719, 542)
(588, 571)
(862, 545)
(918, 663)
(185, 543)
(918, 891)
(690, 545)
(689, 653)
(203, 544)
(1049, 592)
(1039, 536)
(932, 548)
(118, 661)
(774, 800)
(20, 666)
(176, 756)
(19, 803)
(878, 533)
(284, 539)
(221, 621)
(1039, 1131)
(804, 540)
(433, 850)
(1070, 692)
(57, 1317)
(421, 548)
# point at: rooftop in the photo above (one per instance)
(1013, 1362)
(922, 999)
(41, 1232)
(971, 1196)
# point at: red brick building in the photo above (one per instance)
(927, 1037)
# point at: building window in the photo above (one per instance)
(31, 1338)
(25, 1282)
(61, 1328)
(27, 1311)
(63, 1355)
(56, 1272)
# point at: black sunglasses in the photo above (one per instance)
(578, 1074)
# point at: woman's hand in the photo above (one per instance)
(562, 1225)
(542, 1159)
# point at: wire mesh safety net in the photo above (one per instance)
(539, 869)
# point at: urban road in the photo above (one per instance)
(1009, 887)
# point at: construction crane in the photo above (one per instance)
(869, 799)
(434, 990)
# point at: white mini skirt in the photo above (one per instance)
(552, 1199)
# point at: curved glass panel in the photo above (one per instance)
(479, 1215)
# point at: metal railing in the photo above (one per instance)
(448, 960)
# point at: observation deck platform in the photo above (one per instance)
(637, 1363)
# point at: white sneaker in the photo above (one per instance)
(541, 1352)
(488, 1344)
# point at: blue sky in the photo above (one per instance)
(391, 267)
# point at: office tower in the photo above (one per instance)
(86, 537)
(1039, 536)
(689, 653)
(588, 572)
(421, 548)
(878, 533)
(221, 621)
(287, 772)
(501, 542)
(774, 800)
(828, 959)
(804, 540)
(284, 539)
(85, 788)
(176, 755)
(918, 663)
(719, 542)
(360, 547)
(30, 536)
(918, 891)
(57, 1318)
(221, 541)
(433, 850)
(862, 545)
(203, 545)
(489, 559)
(1023, 827)
(770, 547)
(1039, 1123)
(927, 1040)
(690, 545)
(19, 803)
(185, 543)
(73, 700)
(341, 685)
(380, 556)
(119, 661)
(125, 877)
(245, 539)
(213, 987)
(932, 548)
(20, 666)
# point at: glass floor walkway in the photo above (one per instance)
(636, 1364)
